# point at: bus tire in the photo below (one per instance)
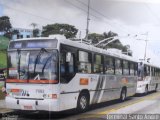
(146, 90)
(83, 102)
(156, 87)
(123, 94)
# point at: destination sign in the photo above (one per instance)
(33, 44)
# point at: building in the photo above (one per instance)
(22, 33)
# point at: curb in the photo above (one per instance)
(4, 112)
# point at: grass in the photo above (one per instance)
(2, 96)
(3, 42)
(3, 46)
(3, 60)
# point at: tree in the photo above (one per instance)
(36, 32)
(110, 34)
(67, 30)
(95, 37)
(5, 26)
(34, 25)
(15, 32)
(115, 44)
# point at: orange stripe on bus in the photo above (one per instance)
(15, 81)
(43, 81)
(30, 81)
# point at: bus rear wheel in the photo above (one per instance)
(123, 95)
(146, 90)
(83, 102)
(156, 87)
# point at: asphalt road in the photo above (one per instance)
(133, 108)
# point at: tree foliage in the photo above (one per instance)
(5, 26)
(95, 37)
(36, 32)
(115, 44)
(67, 30)
(34, 25)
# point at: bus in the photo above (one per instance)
(56, 74)
(149, 78)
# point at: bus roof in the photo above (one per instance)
(88, 47)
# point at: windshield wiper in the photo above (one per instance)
(46, 63)
(38, 57)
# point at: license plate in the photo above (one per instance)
(28, 107)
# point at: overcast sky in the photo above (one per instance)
(120, 16)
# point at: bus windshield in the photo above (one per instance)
(33, 64)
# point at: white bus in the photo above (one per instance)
(149, 78)
(56, 74)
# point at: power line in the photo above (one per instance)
(106, 17)
(76, 6)
(153, 13)
(86, 11)
(26, 12)
(53, 20)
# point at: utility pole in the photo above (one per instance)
(87, 29)
(146, 46)
(146, 40)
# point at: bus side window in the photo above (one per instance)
(62, 63)
(118, 67)
(135, 69)
(98, 64)
(109, 65)
(71, 64)
(84, 62)
(131, 68)
(140, 69)
(67, 63)
(125, 67)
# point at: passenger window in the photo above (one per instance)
(62, 63)
(67, 68)
(109, 65)
(135, 69)
(98, 64)
(118, 67)
(153, 72)
(84, 65)
(67, 64)
(131, 68)
(125, 67)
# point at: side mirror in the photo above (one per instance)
(68, 56)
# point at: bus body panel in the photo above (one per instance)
(33, 96)
(101, 88)
(150, 82)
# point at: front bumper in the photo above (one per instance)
(140, 90)
(32, 105)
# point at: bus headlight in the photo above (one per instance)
(50, 96)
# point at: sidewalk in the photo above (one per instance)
(2, 104)
(3, 109)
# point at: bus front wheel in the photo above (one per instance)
(83, 102)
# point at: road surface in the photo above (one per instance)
(136, 107)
